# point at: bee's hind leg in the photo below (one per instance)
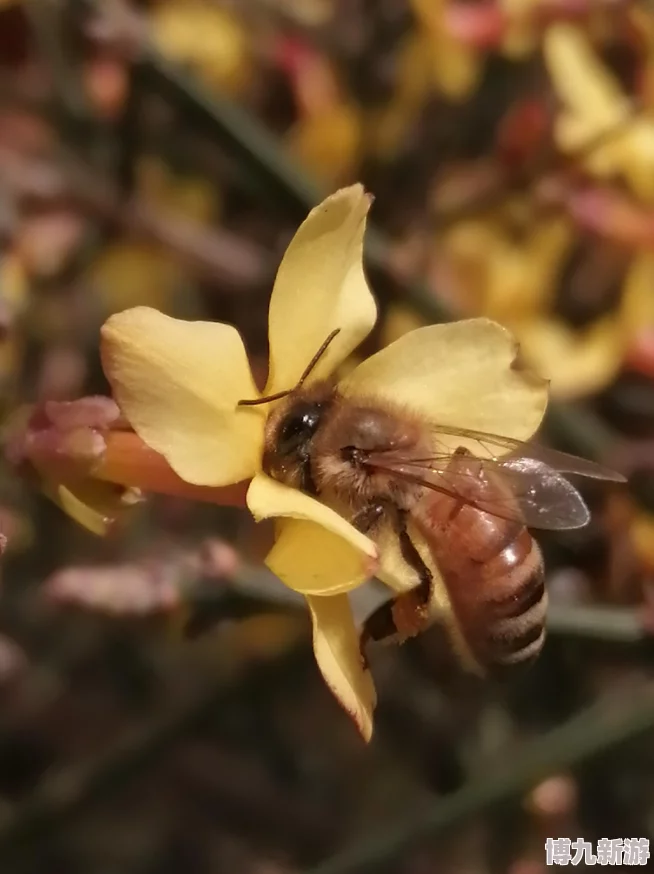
(405, 615)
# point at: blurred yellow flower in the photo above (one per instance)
(14, 285)
(522, 33)
(597, 119)
(134, 272)
(642, 537)
(388, 123)
(636, 314)
(578, 363)
(504, 275)
(179, 383)
(327, 136)
(190, 197)
(209, 40)
(327, 144)
(513, 277)
(454, 66)
(400, 319)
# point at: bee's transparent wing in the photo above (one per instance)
(499, 448)
(510, 479)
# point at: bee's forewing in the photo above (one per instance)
(537, 494)
(497, 447)
(538, 497)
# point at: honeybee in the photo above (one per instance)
(385, 470)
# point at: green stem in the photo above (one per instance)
(615, 720)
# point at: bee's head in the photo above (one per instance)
(290, 431)
(291, 426)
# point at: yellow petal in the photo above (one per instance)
(336, 647)
(327, 144)
(387, 124)
(321, 286)
(637, 308)
(210, 40)
(636, 158)
(469, 249)
(317, 551)
(464, 375)
(400, 319)
(642, 537)
(520, 38)
(127, 274)
(178, 383)
(522, 278)
(456, 67)
(192, 197)
(15, 284)
(95, 506)
(577, 363)
(590, 94)
(314, 561)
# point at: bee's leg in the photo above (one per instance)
(405, 615)
(367, 519)
(379, 625)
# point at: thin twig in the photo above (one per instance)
(615, 720)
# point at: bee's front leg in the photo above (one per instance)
(368, 519)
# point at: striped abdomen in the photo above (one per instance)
(493, 572)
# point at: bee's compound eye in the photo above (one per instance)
(298, 427)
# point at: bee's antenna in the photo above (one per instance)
(316, 358)
(256, 401)
(307, 370)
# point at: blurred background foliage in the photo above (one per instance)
(160, 705)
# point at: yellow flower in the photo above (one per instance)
(327, 143)
(521, 32)
(455, 66)
(327, 136)
(578, 363)
(86, 459)
(208, 39)
(179, 383)
(636, 313)
(57, 446)
(504, 277)
(597, 118)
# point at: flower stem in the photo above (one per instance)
(128, 461)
